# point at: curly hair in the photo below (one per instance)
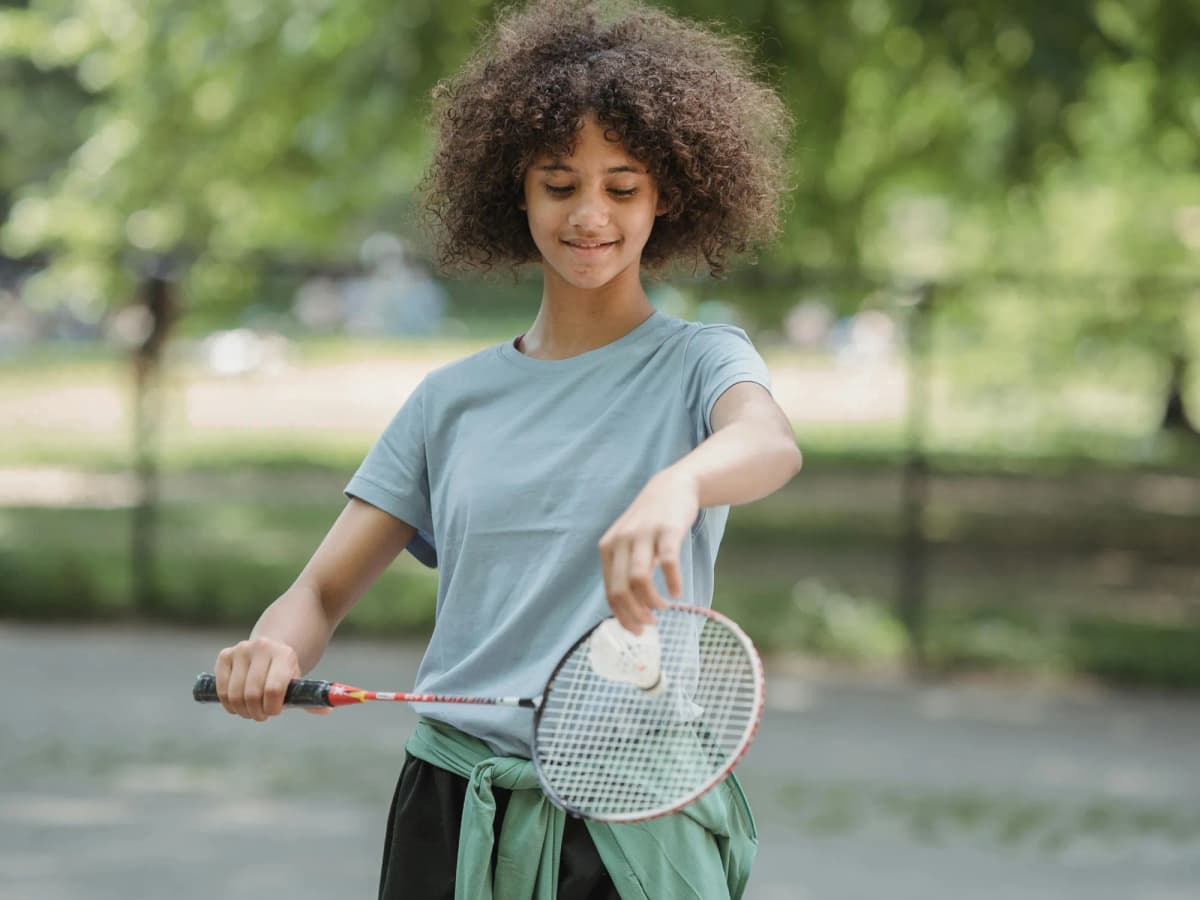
(683, 100)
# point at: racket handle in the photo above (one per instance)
(301, 692)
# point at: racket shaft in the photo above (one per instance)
(309, 692)
(336, 696)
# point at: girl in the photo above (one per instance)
(582, 469)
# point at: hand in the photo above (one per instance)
(648, 534)
(253, 677)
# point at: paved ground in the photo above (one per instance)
(861, 789)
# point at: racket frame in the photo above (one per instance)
(747, 735)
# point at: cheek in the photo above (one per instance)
(544, 231)
(537, 225)
(645, 220)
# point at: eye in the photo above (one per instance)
(624, 193)
(560, 191)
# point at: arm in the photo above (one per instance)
(750, 454)
(292, 633)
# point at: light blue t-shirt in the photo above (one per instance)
(512, 468)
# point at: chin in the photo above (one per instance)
(596, 276)
(589, 280)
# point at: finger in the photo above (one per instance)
(237, 683)
(669, 544)
(616, 582)
(256, 677)
(222, 670)
(317, 710)
(275, 685)
(641, 579)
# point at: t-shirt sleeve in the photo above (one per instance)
(718, 357)
(394, 476)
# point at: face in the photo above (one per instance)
(590, 213)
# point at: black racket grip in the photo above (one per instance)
(301, 692)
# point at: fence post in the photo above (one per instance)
(914, 481)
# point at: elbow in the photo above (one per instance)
(787, 456)
(795, 458)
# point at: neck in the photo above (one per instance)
(573, 320)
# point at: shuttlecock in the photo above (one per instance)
(621, 655)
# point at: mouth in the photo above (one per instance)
(589, 248)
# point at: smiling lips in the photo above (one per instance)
(589, 248)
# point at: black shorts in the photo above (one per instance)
(420, 852)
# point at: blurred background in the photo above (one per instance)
(983, 319)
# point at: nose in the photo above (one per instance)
(589, 212)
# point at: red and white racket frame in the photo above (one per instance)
(760, 690)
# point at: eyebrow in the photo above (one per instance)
(558, 166)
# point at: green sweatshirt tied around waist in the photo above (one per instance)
(703, 852)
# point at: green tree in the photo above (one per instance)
(938, 140)
(224, 133)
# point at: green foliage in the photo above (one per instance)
(834, 624)
(218, 132)
(933, 137)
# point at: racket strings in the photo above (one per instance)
(610, 750)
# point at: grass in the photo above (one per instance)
(218, 563)
(802, 573)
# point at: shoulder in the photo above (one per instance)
(717, 356)
(685, 332)
(459, 373)
(700, 345)
(703, 340)
(675, 328)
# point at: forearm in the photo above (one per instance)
(742, 462)
(298, 619)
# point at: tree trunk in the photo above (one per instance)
(1175, 418)
(157, 295)
(914, 484)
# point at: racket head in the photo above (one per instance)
(613, 752)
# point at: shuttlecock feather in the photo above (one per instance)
(621, 655)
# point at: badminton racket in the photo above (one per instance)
(629, 727)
